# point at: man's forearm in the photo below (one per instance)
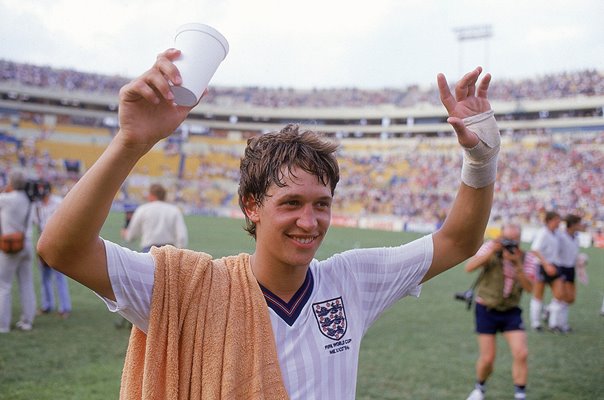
(468, 218)
(462, 233)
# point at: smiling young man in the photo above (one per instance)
(277, 323)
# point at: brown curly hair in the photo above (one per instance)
(266, 155)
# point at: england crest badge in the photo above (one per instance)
(331, 317)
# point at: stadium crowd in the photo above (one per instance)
(550, 175)
(558, 85)
(559, 172)
(413, 182)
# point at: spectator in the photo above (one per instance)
(43, 211)
(14, 217)
(157, 223)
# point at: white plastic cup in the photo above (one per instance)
(202, 50)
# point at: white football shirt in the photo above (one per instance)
(318, 332)
(546, 242)
(568, 250)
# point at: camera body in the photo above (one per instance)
(509, 245)
(465, 296)
(37, 189)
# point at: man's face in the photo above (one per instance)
(511, 234)
(554, 223)
(510, 238)
(293, 220)
(578, 227)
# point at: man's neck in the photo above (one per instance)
(282, 280)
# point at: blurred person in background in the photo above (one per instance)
(598, 239)
(568, 256)
(545, 247)
(157, 222)
(15, 216)
(504, 276)
(50, 278)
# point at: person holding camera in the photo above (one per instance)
(505, 274)
(15, 217)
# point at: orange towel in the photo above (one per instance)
(209, 337)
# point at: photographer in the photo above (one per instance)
(505, 274)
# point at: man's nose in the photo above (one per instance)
(307, 218)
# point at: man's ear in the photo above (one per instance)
(251, 208)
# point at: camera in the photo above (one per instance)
(509, 245)
(465, 296)
(36, 189)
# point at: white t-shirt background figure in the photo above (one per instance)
(157, 222)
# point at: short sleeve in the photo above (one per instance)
(131, 274)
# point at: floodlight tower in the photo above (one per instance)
(475, 32)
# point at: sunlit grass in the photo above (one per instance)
(419, 349)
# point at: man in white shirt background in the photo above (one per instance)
(157, 222)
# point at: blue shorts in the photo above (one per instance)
(489, 321)
(567, 274)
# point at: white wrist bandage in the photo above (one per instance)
(479, 167)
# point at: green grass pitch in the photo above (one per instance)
(421, 348)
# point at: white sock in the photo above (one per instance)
(555, 310)
(535, 311)
(563, 323)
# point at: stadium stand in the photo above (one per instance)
(552, 126)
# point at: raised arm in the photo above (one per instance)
(471, 117)
(70, 242)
